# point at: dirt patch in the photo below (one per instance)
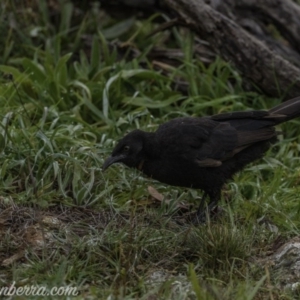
(24, 227)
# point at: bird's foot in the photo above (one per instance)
(203, 216)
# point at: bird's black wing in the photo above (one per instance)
(200, 140)
(212, 140)
(251, 126)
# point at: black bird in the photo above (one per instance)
(203, 153)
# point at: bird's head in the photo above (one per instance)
(128, 151)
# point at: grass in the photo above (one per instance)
(73, 83)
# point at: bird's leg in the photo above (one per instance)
(201, 212)
(201, 205)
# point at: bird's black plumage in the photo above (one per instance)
(203, 153)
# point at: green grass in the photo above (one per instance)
(70, 96)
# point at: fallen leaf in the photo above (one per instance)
(12, 259)
(155, 194)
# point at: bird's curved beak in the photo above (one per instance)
(111, 160)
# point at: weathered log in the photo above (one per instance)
(270, 72)
(253, 51)
(253, 15)
(284, 14)
(256, 16)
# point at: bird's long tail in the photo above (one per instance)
(286, 111)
